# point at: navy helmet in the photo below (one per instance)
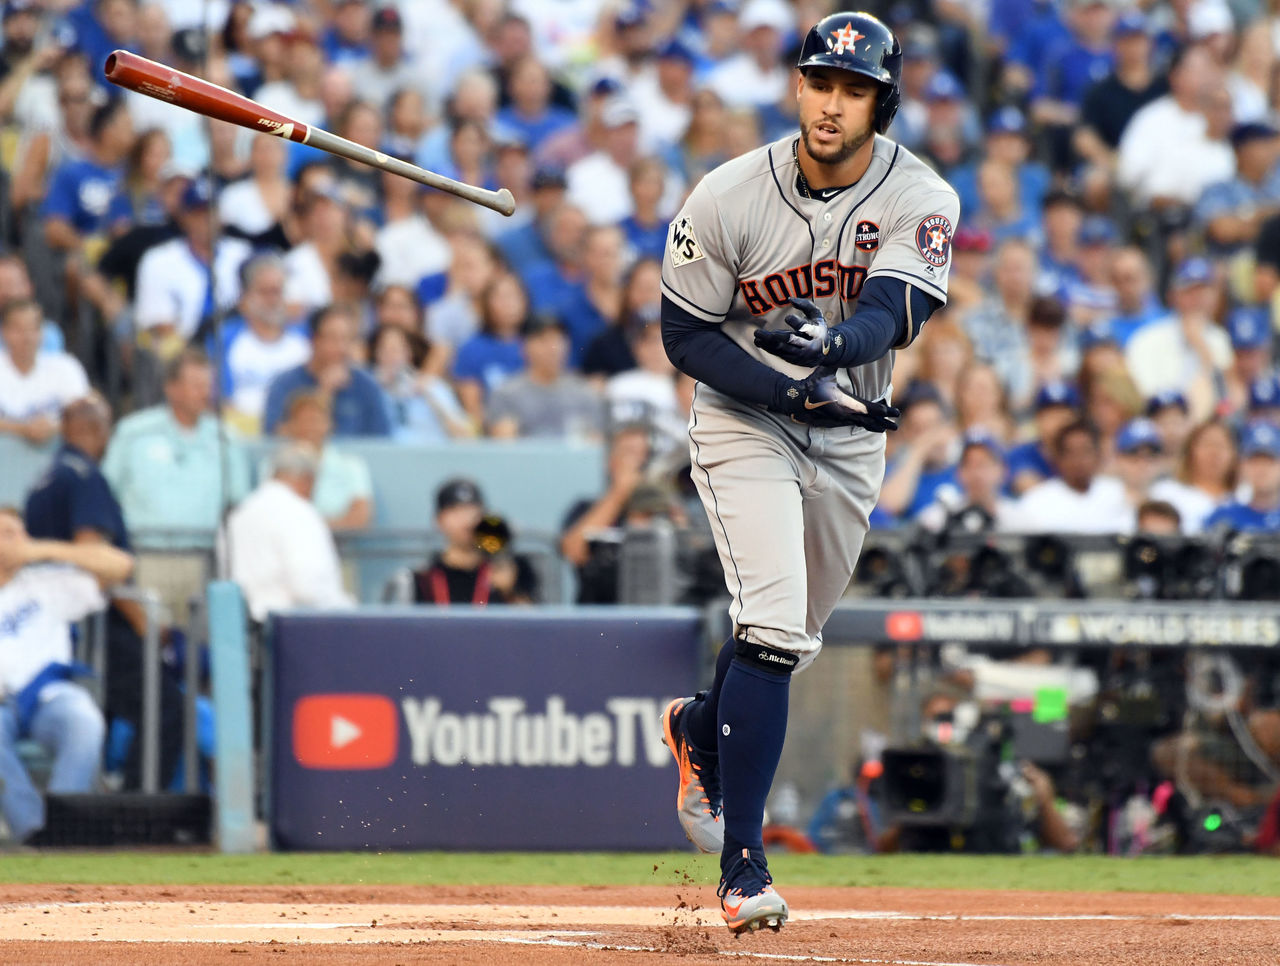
(858, 42)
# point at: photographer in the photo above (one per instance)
(1016, 801)
(474, 567)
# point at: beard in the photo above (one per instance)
(834, 154)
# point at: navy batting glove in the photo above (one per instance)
(818, 401)
(809, 341)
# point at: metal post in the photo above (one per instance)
(151, 694)
(197, 630)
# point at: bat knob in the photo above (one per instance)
(504, 202)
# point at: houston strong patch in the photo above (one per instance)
(683, 242)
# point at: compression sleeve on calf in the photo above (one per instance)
(889, 316)
(702, 350)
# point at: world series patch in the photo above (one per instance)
(933, 239)
(867, 236)
(683, 243)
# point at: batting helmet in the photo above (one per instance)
(860, 43)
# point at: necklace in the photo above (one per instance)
(802, 183)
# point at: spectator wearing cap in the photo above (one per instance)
(1169, 411)
(599, 183)
(1231, 212)
(1204, 476)
(1078, 499)
(924, 457)
(184, 282)
(1264, 398)
(599, 289)
(1007, 141)
(920, 60)
(555, 284)
(952, 132)
(756, 76)
(545, 400)
(359, 406)
(1187, 350)
(459, 573)
(493, 355)
(1168, 153)
(85, 200)
(997, 326)
(970, 277)
(1136, 303)
(257, 343)
(343, 487)
(1139, 460)
(664, 97)
(524, 244)
(1000, 208)
(1260, 472)
(35, 384)
(532, 113)
(977, 494)
(1089, 296)
(1109, 104)
(1249, 327)
(278, 548)
(1056, 404)
(1070, 66)
(172, 466)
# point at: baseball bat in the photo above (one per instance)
(136, 73)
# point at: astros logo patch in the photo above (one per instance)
(933, 238)
(867, 236)
(844, 39)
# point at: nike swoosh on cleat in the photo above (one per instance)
(810, 405)
(732, 911)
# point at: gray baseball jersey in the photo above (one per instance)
(789, 504)
(747, 240)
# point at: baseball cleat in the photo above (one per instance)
(698, 798)
(747, 898)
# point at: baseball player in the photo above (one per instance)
(791, 276)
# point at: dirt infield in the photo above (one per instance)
(558, 926)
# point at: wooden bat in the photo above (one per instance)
(137, 73)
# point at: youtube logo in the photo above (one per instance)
(345, 731)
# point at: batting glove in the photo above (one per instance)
(809, 340)
(818, 401)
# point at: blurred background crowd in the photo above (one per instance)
(1105, 363)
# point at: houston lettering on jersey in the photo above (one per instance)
(819, 280)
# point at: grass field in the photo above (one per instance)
(1225, 875)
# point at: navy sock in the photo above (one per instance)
(753, 726)
(702, 723)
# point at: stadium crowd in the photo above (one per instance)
(1106, 357)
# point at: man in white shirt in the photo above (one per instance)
(259, 343)
(34, 384)
(1167, 153)
(280, 550)
(757, 77)
(1078, 499)
(173, 295)
(1186, 350)
(44, 586)
(974, 503)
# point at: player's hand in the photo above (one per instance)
(818, 401)
(809, 341)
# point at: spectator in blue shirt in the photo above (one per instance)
(1056, 405)
(1001, 209)
(1089, 297)
(1264, 398)
(531, 111)
(360, 408)
(1231, 212)
(1249, 327)
(925, 456)
(525, 245)
(555, 283)
(1060, 220)
(1008, 141)
(1260, 471)
(952, 131)
(1136, 303)
(493, 354)
(86, 196)
(346, 41)
(646, 227)
(1028, 31)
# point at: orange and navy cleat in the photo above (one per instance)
(698, 798)
(747, 898)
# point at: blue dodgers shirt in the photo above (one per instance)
(360, 408)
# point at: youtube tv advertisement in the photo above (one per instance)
(476, 729)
